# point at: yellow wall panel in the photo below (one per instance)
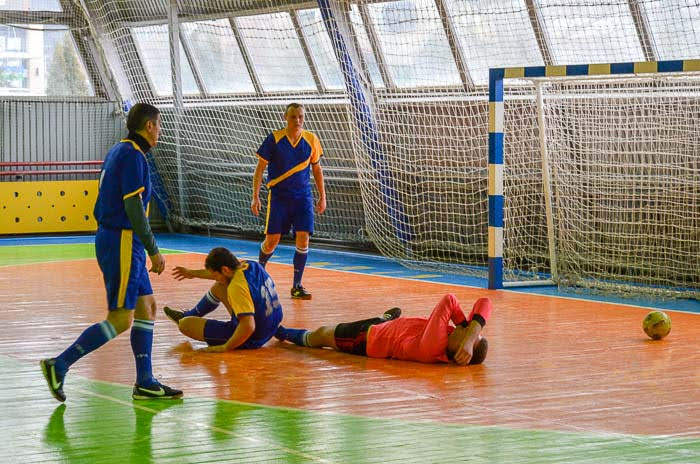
(47, 207)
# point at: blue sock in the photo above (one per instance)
(141, 344)
(297, 336)
(91, 339)
(299, 264)
(263, 257)
(207, 304)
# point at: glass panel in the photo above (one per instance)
(154, 48)
(217, 57)
(30, 5)
(321, 49)
(414, 43)
(597, 32)
(41, 60)
(675, 28)
(366, 47)
(494, 34)
(274, 48)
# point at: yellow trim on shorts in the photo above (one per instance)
(269, 207)
(135, 192)
(125, 249)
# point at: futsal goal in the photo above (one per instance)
(594, 177)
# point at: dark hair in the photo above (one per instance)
(139, 115)
(220, 257)
(480, 350)
(293, 105)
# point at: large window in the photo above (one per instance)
(154, 47)
(414, 44)
(366, 47)
(321, 49)
(590, 32)
(41, 60)
(30, 5)
(217, 57)
(493, 35)
(274, 48)
(675, 27)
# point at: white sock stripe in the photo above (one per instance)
(212, 298)
(303, 251)
(108, 330)
(305, 339)
(144, 324)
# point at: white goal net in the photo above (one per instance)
(623, 161)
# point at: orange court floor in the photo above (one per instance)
(565, 380)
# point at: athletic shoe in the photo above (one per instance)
(173, 314)
(391, 314)
(156, 392)
(300, 293)
(53, 378)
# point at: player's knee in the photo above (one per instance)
(271, 242)
(190, 326)
(121, 319)
(219, 291)
(449, 299)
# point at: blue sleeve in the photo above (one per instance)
(133, 172)
(267, 149)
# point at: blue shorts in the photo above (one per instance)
(284, 214)
(122, 259)
(218, 333)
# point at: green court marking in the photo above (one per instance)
(101, 424)
(28, 254)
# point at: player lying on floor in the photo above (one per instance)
(249, 295)
(428, 340)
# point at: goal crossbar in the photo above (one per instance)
(496, 145)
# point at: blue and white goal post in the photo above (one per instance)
(501, 271)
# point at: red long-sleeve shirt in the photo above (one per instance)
(420, 339)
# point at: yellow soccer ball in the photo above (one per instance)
(657, 325)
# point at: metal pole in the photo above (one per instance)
(546, 184)
(178, 105)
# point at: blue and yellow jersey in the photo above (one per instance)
(289, 161)
(252, 292)
(124, 174)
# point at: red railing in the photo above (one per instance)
(15, 168)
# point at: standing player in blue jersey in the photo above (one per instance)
(123, 234)
(249, 295)
(288, 154)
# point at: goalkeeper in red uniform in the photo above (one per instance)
(427, 340)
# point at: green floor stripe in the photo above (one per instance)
(101, 424)
(28, 254)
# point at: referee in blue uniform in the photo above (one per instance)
(123, 236)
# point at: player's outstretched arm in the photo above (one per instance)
(182, 273)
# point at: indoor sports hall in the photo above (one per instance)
(540, 153)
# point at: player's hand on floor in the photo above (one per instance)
(157, 263)
(182, 273)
